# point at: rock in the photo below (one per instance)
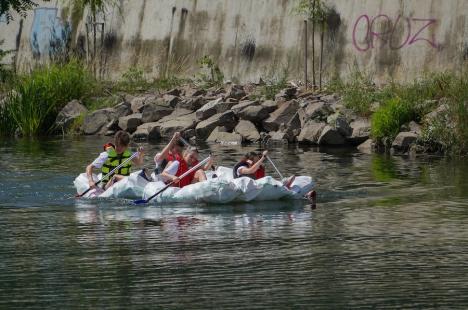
(171, 100)
(282, 115)
(191, 103)
(193, 92)
(330, 136)
(340, 123)
(68, 114)
(254, 113)
(329, 98)
(122, 109)
(318, 111)
(411, 127)
(286, 94)
(219, 136)
(227, 119)
(236, 92)
(96, 122)
(278, 137)
(366, 147)
(148, 131)
(311, 132)
(244, 104)
(131, 122)
(270, 105)
(415, 127)
(361, 128)
(137, 103)
(153, 112)
(181, 124)
(403, 141)
(113, 125)
(189, 133)
(212, 108)
(248, 131)
(174, 92)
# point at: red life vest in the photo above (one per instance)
(183, 167)
(172, 157)
(260, 173)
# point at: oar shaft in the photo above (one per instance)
(274, 166)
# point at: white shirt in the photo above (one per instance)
(172, 168)
(100, 160)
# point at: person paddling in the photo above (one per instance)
(112, 157)
(251, 165)
(172, 151)
(177, 167)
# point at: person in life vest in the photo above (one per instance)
(172, 151)
(177, 167)
(113, 157)
(251, 165)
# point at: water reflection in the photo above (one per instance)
(388, 232)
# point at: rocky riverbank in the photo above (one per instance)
(235, 114)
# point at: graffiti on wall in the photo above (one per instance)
(392, 33)
(49, 35)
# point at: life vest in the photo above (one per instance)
(260, 173)
(237, 166)
(113, 160)
(183, 168)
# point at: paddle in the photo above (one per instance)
(109, 174)
(274, 166)
(194, 168)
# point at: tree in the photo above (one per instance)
(316, 12)
(94, 8)
(19, 6)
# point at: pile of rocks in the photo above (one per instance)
(228, 115)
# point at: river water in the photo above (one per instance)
(387, 232)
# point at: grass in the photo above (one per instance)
(401, 103)
(387, 120)
(35, 100)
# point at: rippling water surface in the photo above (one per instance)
(387, 232)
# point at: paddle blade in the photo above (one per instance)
(140, 202)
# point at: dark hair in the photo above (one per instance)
(122, 138)
(180, 143)
(251, 155)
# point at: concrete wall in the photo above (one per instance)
(253, 38)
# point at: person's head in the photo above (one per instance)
(122, 140)
(191, 155)
(252, 157)
(177, 147)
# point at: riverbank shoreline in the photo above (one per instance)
(426, 116)
(237, 114)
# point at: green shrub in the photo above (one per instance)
(35, 100)
(387, 120)
(360, 92)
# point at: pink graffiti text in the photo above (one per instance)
(414, 30)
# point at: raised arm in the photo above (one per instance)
(160, 156)
(138, 160)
